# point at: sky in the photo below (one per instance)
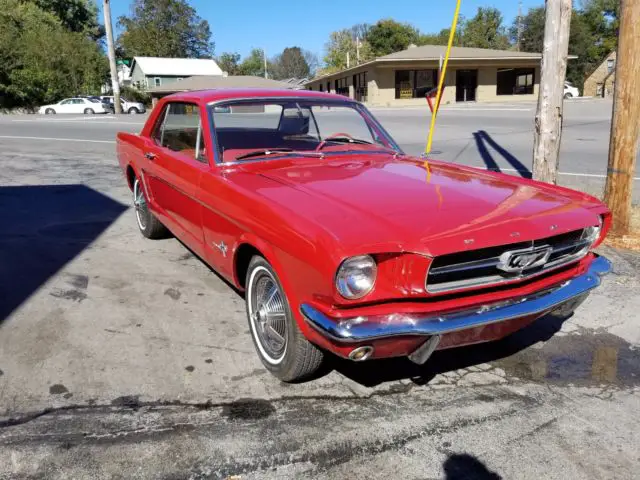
(240, 25)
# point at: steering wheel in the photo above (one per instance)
(322, 144)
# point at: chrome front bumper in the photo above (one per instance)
(365, 329)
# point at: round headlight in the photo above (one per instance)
(592, 234)
(356, 276)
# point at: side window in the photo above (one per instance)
(158, 127)
(181, 130)
(66, 102)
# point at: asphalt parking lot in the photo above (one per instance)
(122, 357)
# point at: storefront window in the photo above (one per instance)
(360, 86)
(515, 81)
(415, 83)
(342, 87)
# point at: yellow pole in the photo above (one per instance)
(443, 74)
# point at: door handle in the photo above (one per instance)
(150, 156)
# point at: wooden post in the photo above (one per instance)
(115, 85)
(548, 121)
(625, 124)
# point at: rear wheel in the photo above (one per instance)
(89, 111)
(133, 111)
(149, 225)
(280, 344)
(50, 111)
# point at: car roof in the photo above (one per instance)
(220, 94)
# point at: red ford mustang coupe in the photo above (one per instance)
(343, 243)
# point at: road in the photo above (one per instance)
(499, 137)
(122, 357)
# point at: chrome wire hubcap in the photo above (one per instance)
(140, 204)
(268, 316)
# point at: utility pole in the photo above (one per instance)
(548, 120)
(264, 57)
(519, 25)
(357, 49)
(347, 58)
(625, 124)
(115, 85)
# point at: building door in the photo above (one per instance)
(466, 85)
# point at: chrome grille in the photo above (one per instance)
(479, 268)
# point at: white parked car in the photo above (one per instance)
(570, 91)
(127, 106)
(88, 106)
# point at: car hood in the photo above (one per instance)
(374, 203)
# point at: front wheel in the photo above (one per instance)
(133, 111)
(149, 225)
(50, 111)
(568, 95)
(280, 344)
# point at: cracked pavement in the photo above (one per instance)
(122, 357)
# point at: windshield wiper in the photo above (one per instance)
(259, 153)
(349, 140)
(273, 151)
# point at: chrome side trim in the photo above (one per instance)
(364, 329)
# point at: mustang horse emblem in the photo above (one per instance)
(516, 261)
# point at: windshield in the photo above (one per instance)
(274, 128)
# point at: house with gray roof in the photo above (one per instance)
(405, 77)
(152, 72)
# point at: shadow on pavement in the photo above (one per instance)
(43, 227)
(483, 139)
(376, 372)
(462, 466)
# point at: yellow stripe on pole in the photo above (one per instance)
(443, 74)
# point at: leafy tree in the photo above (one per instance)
(165, 28)
(253, 64)
(388, 36)
(75, 15)
(41, 61)
(602, 18)
(341, 42)
(485, 30)
(229, 62)
(591, 37)
(291, 63)
(532, 34)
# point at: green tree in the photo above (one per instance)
(253, 64)
(41, 61)
(532, 34)
(75, 15)
(602, 18)
(442, 37)
(165, 28)
(485, 30)
(388, 36)
(291, 63)
(590, 38)
(229, 62)
(581, 43)
(341, 42)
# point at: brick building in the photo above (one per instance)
(601, 81)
